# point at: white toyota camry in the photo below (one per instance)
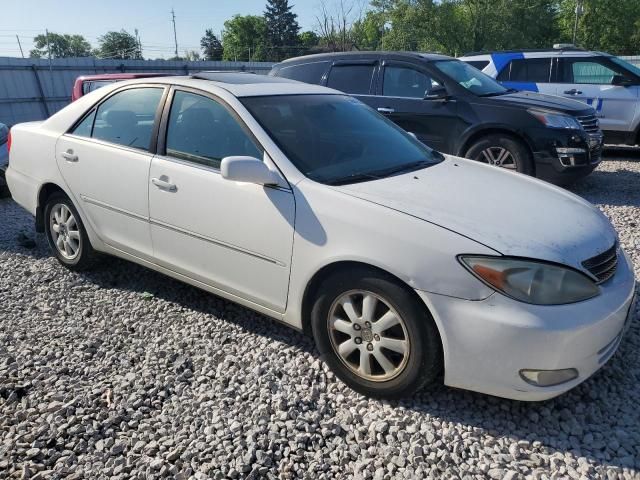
(304, 204)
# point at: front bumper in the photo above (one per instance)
(555, 166)
(486, 343)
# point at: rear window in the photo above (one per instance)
(307, 72)
(91, 85)
(354, 79)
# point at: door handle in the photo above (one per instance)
(385, 110)
(69, 156)
(164, 185)
(573, 91)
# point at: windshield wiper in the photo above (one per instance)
(495, 94)
(353, 178)
(407, 167)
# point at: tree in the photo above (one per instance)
(308, 39)
(282, 30)
(121, 45)
(192, 56)
(211, 46)
(244, 38)
(608, 25)
(335, 23)
(60, 46)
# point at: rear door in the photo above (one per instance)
(401, 97)
(590, 80)
(105, 160)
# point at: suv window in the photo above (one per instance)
(203, 131)
(354, 79)
(307, 72)
(406, 82)
(479, 64)
(125, 118)
(535, 70)
(586, 71)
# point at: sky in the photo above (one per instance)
(152, 18)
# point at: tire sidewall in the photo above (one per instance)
(424, 362)
(517, 149)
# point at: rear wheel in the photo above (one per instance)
(375, 335)
(502, 151)
(66, 234)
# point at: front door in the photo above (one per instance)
(236, 237)
(105, 161)
(591, 80)
(401, 97)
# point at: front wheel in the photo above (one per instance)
(66, 234)
(502, 151)
(375, 335)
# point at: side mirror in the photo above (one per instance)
(436, 93)
(248, 170)
(621, 81)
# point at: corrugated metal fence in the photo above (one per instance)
(33, 89)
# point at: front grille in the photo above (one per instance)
(589, 123)
(603, 266)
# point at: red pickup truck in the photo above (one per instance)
(89, 83)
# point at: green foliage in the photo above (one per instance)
(211, 46)
(308, 39)
(245, 38)
(121, 45)
(60, 45)
(282, 30)
(609, 25)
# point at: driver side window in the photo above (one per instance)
(203, 131)
(406, 82)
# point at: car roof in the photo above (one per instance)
(242, 84)
(121, 76)
(365, 55)
(538, 53)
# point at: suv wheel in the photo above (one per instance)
(375, 335)
(502, 151)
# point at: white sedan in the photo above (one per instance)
(304, 204)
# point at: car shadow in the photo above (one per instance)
(621, 153)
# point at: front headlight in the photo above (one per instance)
(555, 120)
(531, 281)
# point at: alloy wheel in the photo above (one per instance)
(368, 335)
(499, 157)
(64, 231)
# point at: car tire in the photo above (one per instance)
(402, 374)
(66, 234)
(503, 151)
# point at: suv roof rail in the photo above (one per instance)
(556, 47)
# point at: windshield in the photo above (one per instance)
(626, 65)
(335, 139)
(470, 78)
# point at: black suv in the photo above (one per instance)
(456, 109)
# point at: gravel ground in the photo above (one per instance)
(125, 373)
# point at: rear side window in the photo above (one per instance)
(203, 131)
(92, 85)
(534, 70)
(354, 79)
(308, 72)
(479, 64)
(127, 117)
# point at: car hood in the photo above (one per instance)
(540, 100)
(508, 212)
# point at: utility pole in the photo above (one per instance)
(175, 35)
(579, 11)
(49, 55)
(20, 45)
(139, 42)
